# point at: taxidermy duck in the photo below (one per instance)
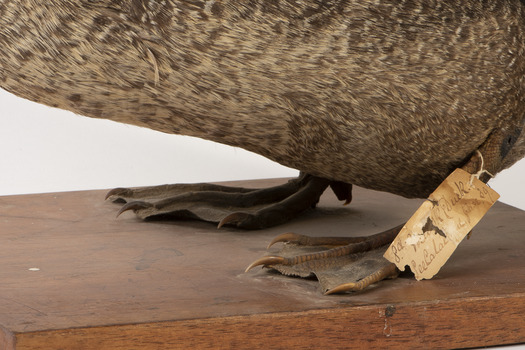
(387, 95)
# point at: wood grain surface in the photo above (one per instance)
(72, 276)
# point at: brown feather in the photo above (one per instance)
(389, 95)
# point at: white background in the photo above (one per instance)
(44, 149)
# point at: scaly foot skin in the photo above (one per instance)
(349, 264)
(233, 206)
(340, 264)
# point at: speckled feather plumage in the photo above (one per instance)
(389, 95)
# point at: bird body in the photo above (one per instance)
(388, 95)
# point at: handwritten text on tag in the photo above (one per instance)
(432, 234)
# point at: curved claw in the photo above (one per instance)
(343, 191)
(286, 238)
(233, 218)
(388, 271)
(266, 261)
(116, 192)
(136, 205)
(345, 287)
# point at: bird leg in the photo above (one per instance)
(348, 264)
(233, 206)
(340, 264)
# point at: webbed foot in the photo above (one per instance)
(340, 264)
(234, 206)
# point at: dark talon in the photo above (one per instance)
(137, 205)
(266, 261)
(343, 191)
(233, 219)
(119, 191)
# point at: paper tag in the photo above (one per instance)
(433, 233)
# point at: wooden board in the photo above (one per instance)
(72, 276)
